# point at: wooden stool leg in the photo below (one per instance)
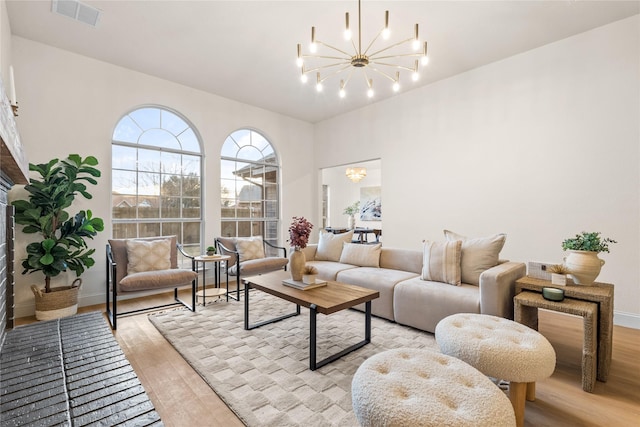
(531, 392)
(517, 393)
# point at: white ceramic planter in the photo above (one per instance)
(584, 266)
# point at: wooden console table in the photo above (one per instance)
(599, 293)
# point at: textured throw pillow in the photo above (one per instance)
(330, 245)
(250, 248)
(478, 254)
(361, 255)
(148, 255)
(441, 261)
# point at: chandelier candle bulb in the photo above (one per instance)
(425, 58)
(385, 31)
(347, 31)
(313, 47)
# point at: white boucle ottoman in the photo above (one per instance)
(413, 387)
(499, 348)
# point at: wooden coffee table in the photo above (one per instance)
(333, 297)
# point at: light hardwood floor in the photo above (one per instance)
(182, 398)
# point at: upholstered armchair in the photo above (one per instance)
(249, 257)
(135, 265)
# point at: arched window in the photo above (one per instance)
(250, 176)
(156, 177)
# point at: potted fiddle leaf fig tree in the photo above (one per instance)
(61, 243)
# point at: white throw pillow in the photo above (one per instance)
(478, 254)
(250, 248)
(441, 261)
(361, 255)
(148, 255)
(330, 245)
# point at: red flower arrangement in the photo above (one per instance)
(299, 232)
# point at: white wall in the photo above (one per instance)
(70, 104)
(541, 146)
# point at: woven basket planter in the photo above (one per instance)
(60, 302)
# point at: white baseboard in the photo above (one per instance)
(628, 320)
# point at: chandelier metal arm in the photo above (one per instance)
(333, 47)
(401, 67)
(391, 46)
(339, 58)
(323, 67)
(336, 72)
(372, 42)
(402, 55)
(383, 74)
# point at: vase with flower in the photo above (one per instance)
(299, 232)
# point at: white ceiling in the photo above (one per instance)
(245, 50)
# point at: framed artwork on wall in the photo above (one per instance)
(370, 204)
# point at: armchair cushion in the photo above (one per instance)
(250, 248)
(148, 280)
(253, 267)
(478, 254)
(148, 255)
(119, 252)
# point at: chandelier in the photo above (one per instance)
(356, 174)
(383, 61)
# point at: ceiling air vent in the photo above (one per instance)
(76, 10)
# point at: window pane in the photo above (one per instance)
(148, 160)
(190, 207)
(256, 210)
(172, 123)
(123, 182)
(190, 165)
(149, 184)
(189, 141)
(191, 232)
(149, 229)
(171, 207)
(125, 231)
(172, 229)
(171, 162)
(146, 118)
(171, 185)
(123, 157)
(127, 131)
(250, 153)
(191, 186)
(159, 138)
(228, 229)
(259, 141)
(244, 229)
(229, 148)
(242, 137)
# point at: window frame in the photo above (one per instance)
(194, 248)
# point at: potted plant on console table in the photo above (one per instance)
(583, 262)
(62, 243)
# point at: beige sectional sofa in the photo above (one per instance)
(399, 275)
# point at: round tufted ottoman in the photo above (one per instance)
(499, 348)
(412, 387)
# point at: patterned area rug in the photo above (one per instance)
(263, 375)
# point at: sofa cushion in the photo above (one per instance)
(382, 280)
(441, 261)
(328, 270)
(362, 255)
(330, 245)
(250, 248)
(401, 259)
(422, 304)
(478, 254)
(148, 255)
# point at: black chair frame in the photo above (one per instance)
(222, 247)
(112, 294)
